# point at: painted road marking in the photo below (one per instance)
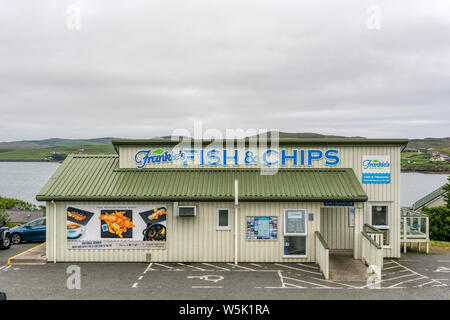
(442, 269)
(162, 265)
(338, 283)
(206, 287)
(309, 266)
(213, 278)
(236, 265)
(149, 267)
(9, 260)
(214, 266)
(289, 267)
(410, 280)
(256, 265)
(135, 285)
(194, 267)
(314, 284)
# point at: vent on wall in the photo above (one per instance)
(187, 211)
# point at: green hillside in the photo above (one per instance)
(54, 142)
(57, 149)
(54, 153)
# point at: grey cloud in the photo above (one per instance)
(144, 68)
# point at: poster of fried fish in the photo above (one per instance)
(116, 226)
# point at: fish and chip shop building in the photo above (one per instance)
(162, 201)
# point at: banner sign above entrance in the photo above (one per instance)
(236, 157)
(376, 169)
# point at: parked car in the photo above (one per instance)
(34, 230)
(5, 238)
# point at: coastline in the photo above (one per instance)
(403, 170)
(44, 161)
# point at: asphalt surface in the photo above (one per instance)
(15, 249)
(414, 276)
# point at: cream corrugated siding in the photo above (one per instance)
(271, 250)
(193, 239)
(335, 229)
(351, 157)
(188, 239)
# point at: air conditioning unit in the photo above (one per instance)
(187, 211)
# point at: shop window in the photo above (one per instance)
(294, 246)
(223, 219)
(295, 231)
(380, 218)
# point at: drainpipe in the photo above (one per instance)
(54, 231)
(236, 221)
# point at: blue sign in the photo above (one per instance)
(376, 169)
(338, 203)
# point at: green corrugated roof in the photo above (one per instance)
(269, 141)
(429, 197)
(90, 178)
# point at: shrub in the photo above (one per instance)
(439, 218)
(14, 204)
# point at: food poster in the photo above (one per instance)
(262, 228)
(116, 227)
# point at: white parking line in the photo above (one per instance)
(289, 267)
(335, 282)
(148, 268)
(315, 284)
(5, 267)
(393, 267)
(256, 265)
(236, 265)
(395, 285)
(162, 265)
(309, 266)
(395, 272)
(197, 268)
(214, 266)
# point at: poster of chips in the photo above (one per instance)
(261, 228)
(116, 226)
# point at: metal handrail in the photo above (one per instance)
(371, 240)
(372, 228)
(322, 240)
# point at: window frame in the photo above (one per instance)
(382, 227)
(285, 224)
(191, 206)
(304, 235)
(222, 228)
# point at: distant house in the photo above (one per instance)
(433, 199)
(24, 215)
(410, 150)
(437, 158)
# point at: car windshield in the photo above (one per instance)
(38, 222)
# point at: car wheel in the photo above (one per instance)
(16, 238)
(6, 243)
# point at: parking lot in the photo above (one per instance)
(414, 276)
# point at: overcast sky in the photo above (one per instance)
(139, 69)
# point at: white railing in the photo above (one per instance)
(322, 255)
(372, 251)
